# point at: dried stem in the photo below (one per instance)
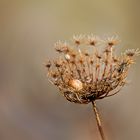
(98, 120)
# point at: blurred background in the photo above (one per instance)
(30, 107)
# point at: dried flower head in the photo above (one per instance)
(86, 76)
(48, 64)
(93, 40)
(61, 47)
(132, 52)
(78, 39)
(111, 41)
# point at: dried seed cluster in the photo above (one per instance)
(91, 73)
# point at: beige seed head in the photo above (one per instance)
(93, 73)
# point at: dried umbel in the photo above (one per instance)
(90, 73)
(89, 70)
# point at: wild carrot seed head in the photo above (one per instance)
(84, 76)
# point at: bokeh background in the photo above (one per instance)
(30, 107)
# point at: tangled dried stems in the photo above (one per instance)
(92, 73)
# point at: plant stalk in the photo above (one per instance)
(98, 120)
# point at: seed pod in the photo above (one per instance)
(76, 84)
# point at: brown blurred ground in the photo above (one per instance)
(30, 107)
